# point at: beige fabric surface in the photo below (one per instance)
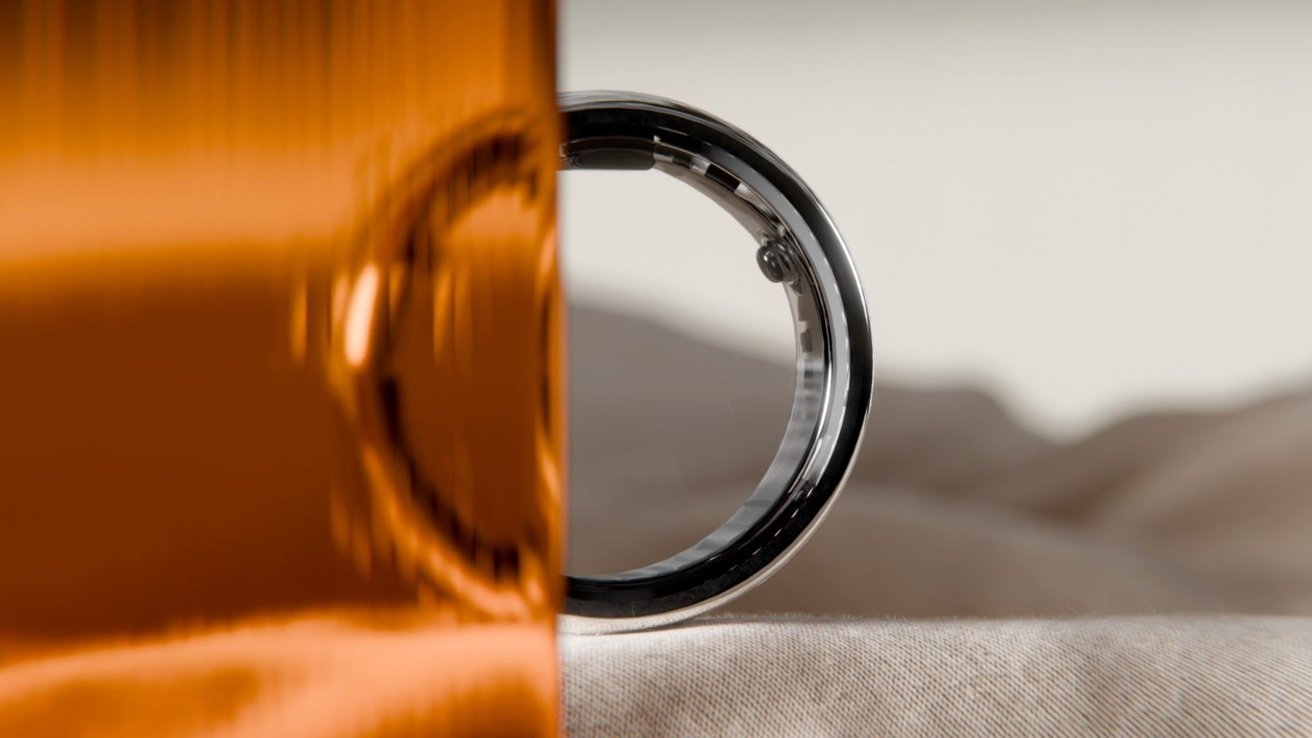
(781, 676)
(1007, 584)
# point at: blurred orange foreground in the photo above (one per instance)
(280, 385)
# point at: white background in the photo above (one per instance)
(1086, 207)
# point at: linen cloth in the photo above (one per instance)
(781, 676)
(1126, 583)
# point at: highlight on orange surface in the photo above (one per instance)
(385, 675)
(282, 326)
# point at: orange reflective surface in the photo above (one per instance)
(280, 319)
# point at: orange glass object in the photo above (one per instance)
(280, 337)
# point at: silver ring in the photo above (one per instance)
(798, 247)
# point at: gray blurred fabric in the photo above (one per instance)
(1151, 579)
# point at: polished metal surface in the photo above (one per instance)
(799, 248)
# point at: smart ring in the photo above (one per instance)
(798, 247)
